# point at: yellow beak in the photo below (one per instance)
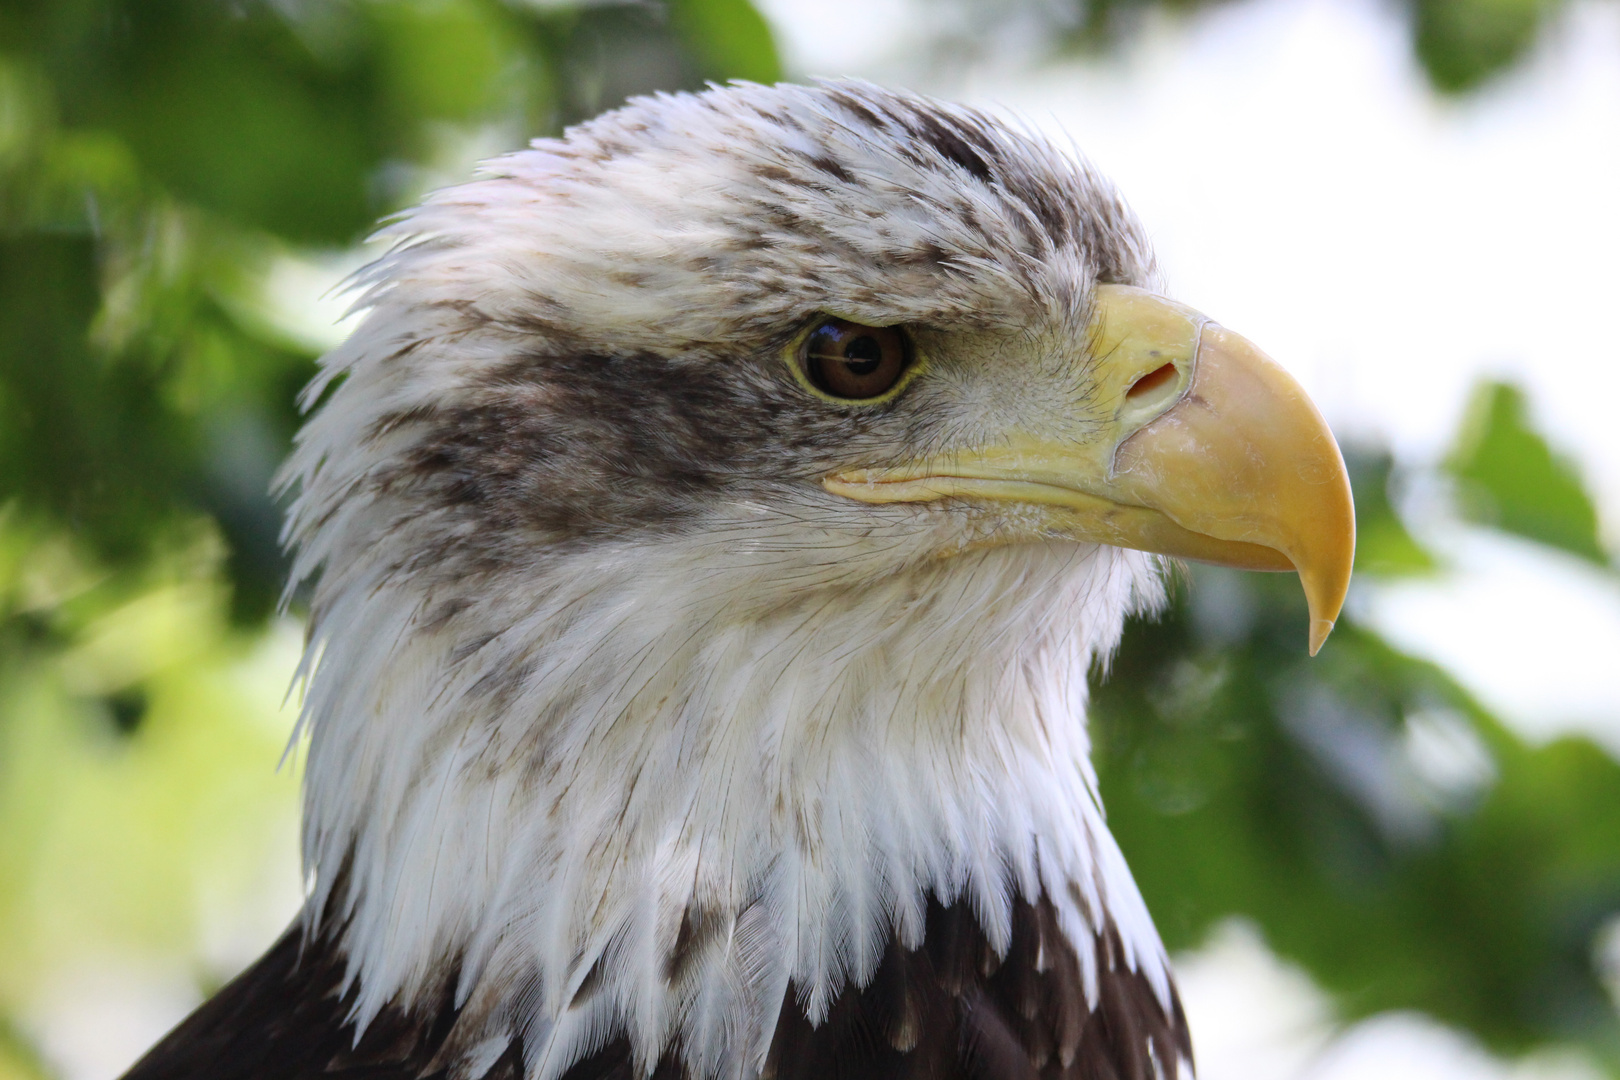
(1212, 453)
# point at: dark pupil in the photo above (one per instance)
(863, 355)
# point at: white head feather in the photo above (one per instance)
(554, 713)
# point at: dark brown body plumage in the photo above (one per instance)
(950, 1010)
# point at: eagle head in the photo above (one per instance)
(711, 525)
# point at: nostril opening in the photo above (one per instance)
(1152, 380)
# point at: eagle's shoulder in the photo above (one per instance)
(952, 1009)
(287, 1018)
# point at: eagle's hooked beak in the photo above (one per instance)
(1213, 453)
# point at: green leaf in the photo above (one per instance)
(1463, 43)
(84, 439)
(225, 104)
(1510, 478)
(728, 39)
(444, 61)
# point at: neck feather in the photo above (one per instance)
(651, 789)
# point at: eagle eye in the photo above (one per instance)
(853, 361)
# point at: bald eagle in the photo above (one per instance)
(711, 525)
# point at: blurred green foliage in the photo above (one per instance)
(1510, 477)
(1378, 825)
(160, 158)
(1380, 828)
(1460, 44)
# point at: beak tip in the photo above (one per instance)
(1320, 629)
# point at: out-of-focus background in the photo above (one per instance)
(1400, 859)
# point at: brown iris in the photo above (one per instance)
(853, 361)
